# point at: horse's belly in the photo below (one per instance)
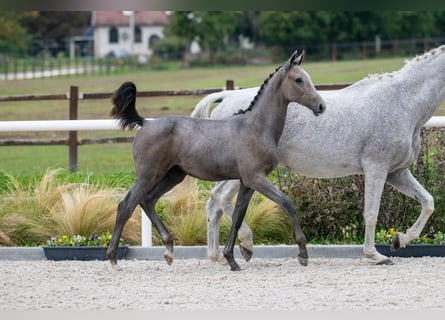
(315, 167)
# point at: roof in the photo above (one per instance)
(108, 18)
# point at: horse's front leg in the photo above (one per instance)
(242, 202)
(405, 182)
(374, 184)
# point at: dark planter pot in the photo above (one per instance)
(82, 253)
(413, 250)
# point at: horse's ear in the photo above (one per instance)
(294, 60)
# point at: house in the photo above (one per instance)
(112, 32)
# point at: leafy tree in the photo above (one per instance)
(55, 26)
(213, 30)
(14, 38)
(287, 28)
(409, 24)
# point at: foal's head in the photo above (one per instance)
(298, 87)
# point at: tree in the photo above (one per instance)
(54, 26)
(409, 24)
(14, 39)
(213, 30)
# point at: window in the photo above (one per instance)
(152, 41)
(113, 35)
(137, 34)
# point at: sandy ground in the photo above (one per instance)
(263, 284)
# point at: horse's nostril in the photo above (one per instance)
(321, 108)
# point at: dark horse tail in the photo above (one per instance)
(124, 101)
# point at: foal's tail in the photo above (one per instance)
(202, 108)
(124, 101)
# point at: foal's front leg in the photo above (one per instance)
(264, 186)
(242, 202)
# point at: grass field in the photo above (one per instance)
(108, 158)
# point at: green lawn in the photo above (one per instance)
(117, 157)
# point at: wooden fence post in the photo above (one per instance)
(230, 85)
(333, 51)
(72, 139)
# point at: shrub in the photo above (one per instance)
(331, 210)
(183, 213)
(31, 214)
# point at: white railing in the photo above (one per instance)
(77, 125)
(94, 125)
(105, 124)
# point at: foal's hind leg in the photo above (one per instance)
(172, 178)
(405, 182)
(124, 211)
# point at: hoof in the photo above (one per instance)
(386, 262)
(246, 253)
(235, 268)
(216, 258)
(303, 261)
(395, 243)
(233, 265)
(113, 262)
(168, 257)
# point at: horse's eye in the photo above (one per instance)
(299, 80)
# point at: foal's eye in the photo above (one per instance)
(299, 80)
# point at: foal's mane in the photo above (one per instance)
(255, 99)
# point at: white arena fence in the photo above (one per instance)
(109, 124)
(105, 124)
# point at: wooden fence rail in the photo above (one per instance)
(74, 96)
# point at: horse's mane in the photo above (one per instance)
(252, 103)
(424, 58)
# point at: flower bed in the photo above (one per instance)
(79, 247)
(430, 244)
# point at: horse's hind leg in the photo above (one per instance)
(214, 214)
(242, 201)
(405, 182)
(173, 177)
(221, 201)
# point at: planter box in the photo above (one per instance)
(82, 253)
(413, 250)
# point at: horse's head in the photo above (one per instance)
(298, 87)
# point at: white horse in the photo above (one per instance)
(371, 128)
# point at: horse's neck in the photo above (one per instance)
(423, 92)
(268, 114)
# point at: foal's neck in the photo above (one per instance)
(268, 113)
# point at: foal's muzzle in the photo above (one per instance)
(321, 108)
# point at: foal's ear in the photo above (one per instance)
(294, 60)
